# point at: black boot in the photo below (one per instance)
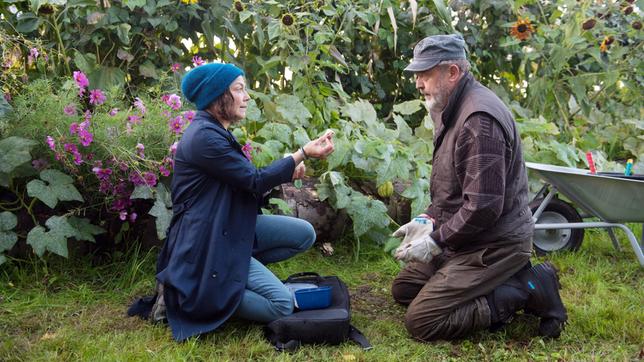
(542, 284)
(505, 301)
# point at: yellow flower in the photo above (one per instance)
(608, 40)
(522, 29)
(188, 2)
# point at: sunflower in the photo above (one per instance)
(288, 19)
(608, 40)
(522, 29)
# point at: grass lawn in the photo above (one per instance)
(71, 310)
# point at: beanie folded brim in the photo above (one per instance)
(205, 83)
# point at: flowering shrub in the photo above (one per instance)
(118, 153)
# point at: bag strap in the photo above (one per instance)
(302, 275)
(290, 346)
(357, 336)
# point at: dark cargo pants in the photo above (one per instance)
(447, 296)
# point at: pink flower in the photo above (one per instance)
(173, 148)
(33, 52)
(74, 128)
(81, 79)
(136, 178)
(164, 98)
(85, 137)
(51, 143)
(70, 110)
(87, 116)
(105, 187)
(102, 173)
(134, 119)
(176, 125)
(123, 215)
(121, 190)
(139, 150)
(175, 67)
(189, 115)
(83, 126)
(174, 101)
(96, 97)
(138, 103)
(164, 171)
(39, 164)
(70, 148)
(113, 112)
(247, 149)
(197, 61)
(78, 158)
(133, 216)
(150, 178)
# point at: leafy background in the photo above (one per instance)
(573, 81)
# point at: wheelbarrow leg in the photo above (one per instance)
(614, 239)
(637, 248)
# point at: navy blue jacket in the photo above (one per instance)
(215, 194)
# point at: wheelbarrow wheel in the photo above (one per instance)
(557, 211)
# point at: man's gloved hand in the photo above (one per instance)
(423, 250)
(417, 228)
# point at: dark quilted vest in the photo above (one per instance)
(515, 222)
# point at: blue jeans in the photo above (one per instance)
(278, 238)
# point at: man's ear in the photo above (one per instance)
(454, 73)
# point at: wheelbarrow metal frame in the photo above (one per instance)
(559, 185)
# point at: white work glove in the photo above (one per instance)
(422, 250)
(417, 228)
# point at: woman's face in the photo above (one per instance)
(241, 98)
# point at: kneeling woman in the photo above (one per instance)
(212, 264)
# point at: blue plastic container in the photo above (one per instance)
(313, 298)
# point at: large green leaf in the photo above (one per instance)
(148, 70)
(405, 134)
(142, 192)
(8, 238)
(84, 230)
(162, 210)
(293, 111)
(27, 23)
(14, 151)
(54, 240)
(277, 131)
(366, 214)
(409, 107)
(361, 111)
(123, 32)
(57, 186)
(132, 4)
(5, 107)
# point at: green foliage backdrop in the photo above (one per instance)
(570, 71)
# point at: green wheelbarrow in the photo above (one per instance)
(613, 198)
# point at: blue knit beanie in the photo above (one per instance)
(207, 82)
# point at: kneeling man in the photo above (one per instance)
(468, 256)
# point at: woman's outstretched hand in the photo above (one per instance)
(321, 147)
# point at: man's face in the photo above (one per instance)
(240, 95)
(432, 84)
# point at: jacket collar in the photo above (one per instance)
(229, 135)
(446, 116)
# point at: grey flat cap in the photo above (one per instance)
(434, 49)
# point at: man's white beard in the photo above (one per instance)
(434, 104)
